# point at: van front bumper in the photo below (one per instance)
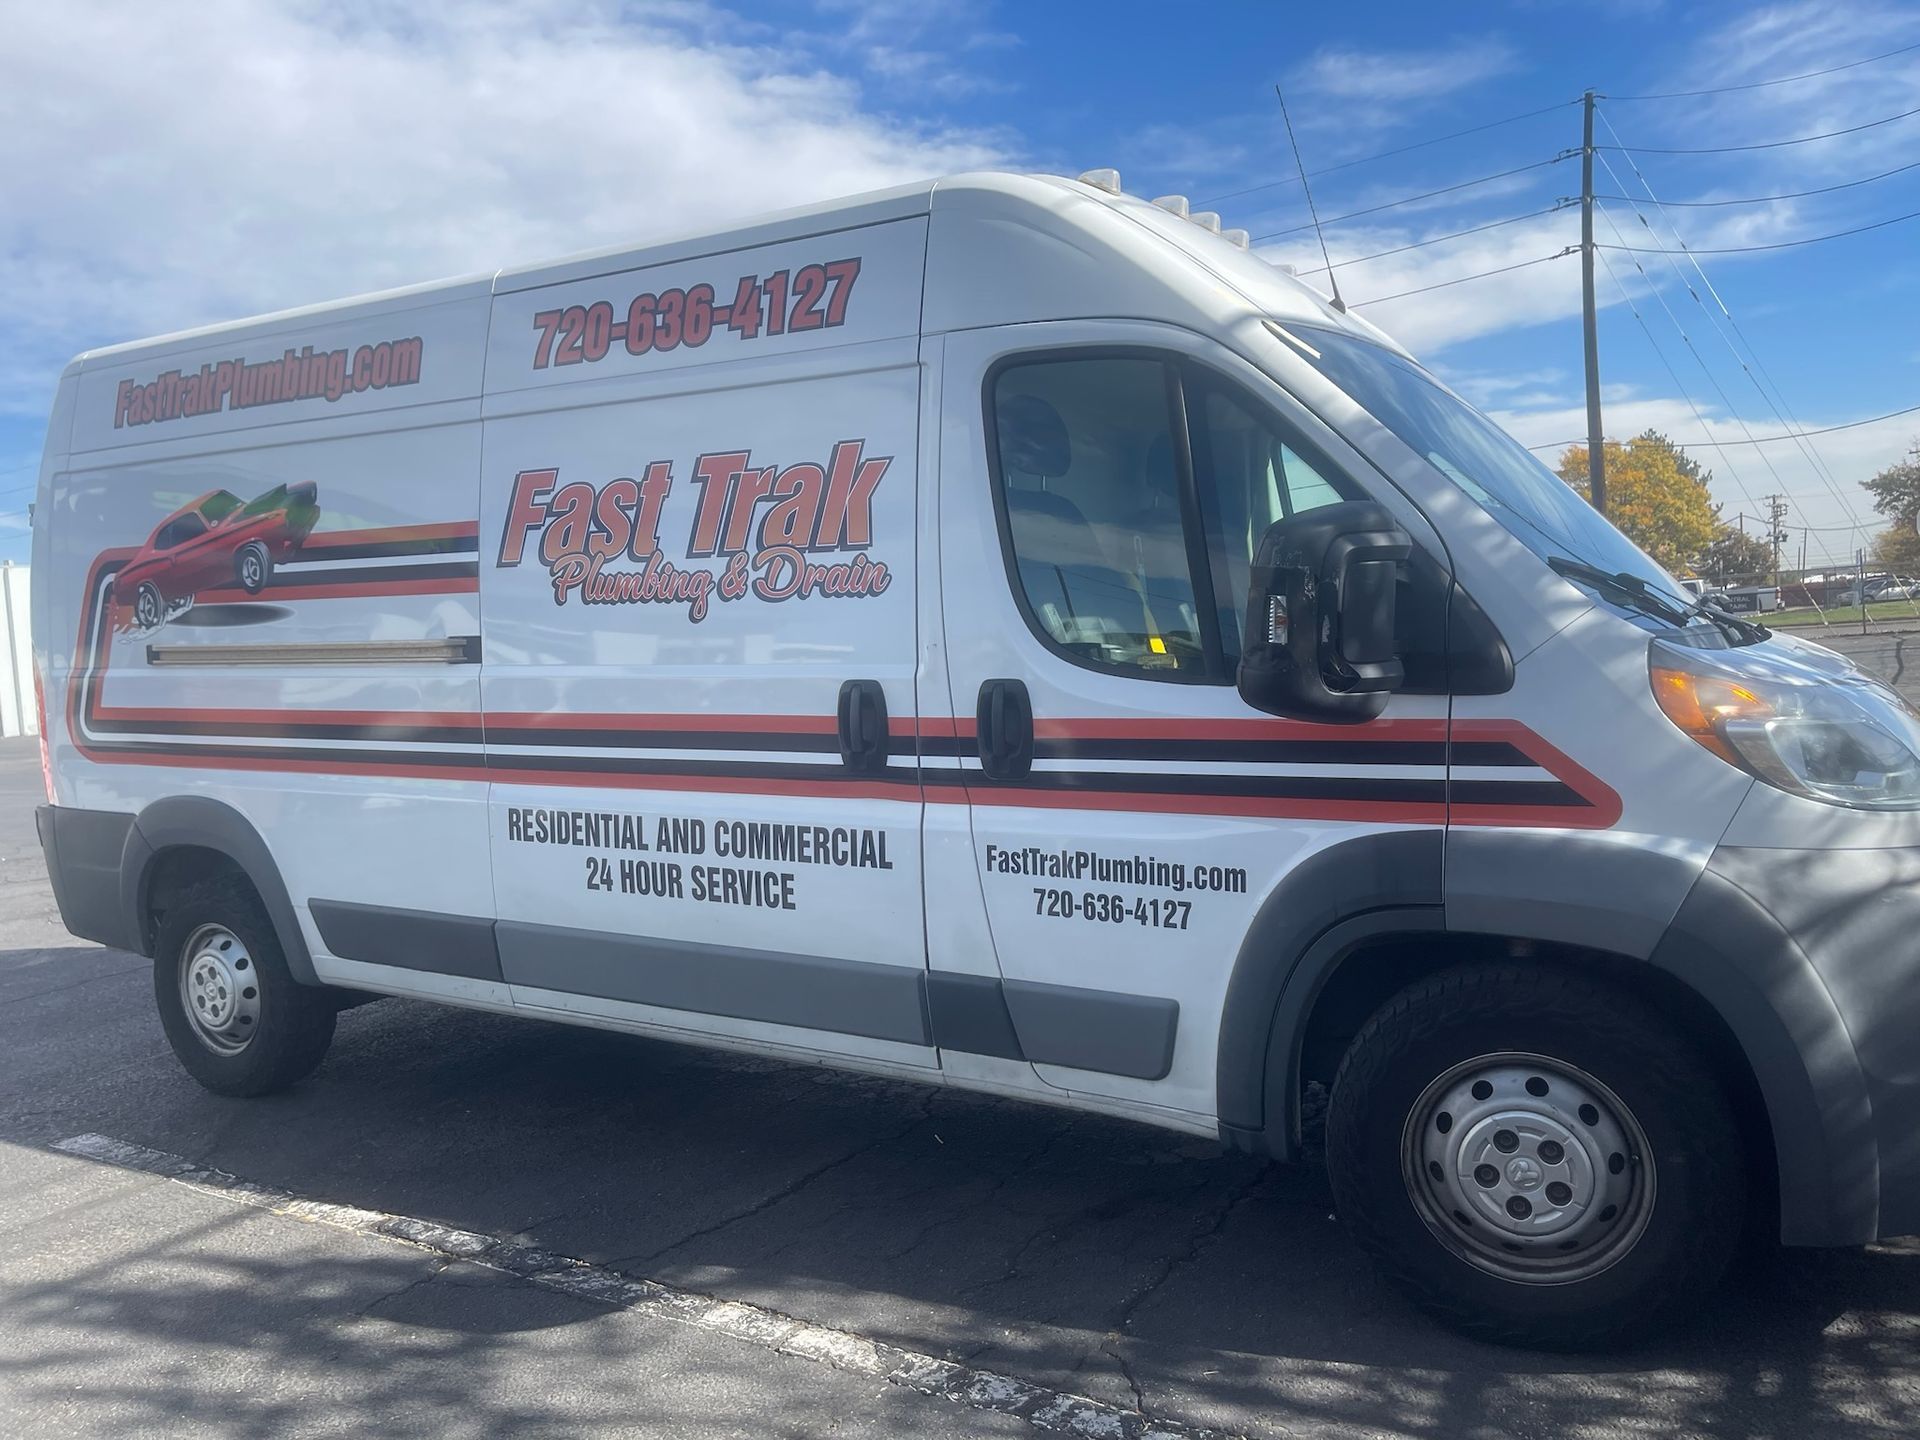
(1813, 959)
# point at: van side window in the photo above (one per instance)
(1087, 469)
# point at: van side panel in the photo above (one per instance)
(263, 559)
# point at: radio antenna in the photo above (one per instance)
(1300, 165)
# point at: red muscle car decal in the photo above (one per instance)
(218, 540)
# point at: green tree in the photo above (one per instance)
(1733, 557)
(1656, 494)
(1896, 495)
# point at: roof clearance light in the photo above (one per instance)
(1173, 204)
(1238, 237)
(1206, 220)
(1107, 180)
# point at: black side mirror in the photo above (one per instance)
(1319, 636)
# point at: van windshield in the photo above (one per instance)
(1539, 508)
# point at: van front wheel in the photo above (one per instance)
(1536, 1158)
(237, 1020)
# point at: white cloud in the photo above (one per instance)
(919, 48)
(1395, 77)
(1787, 40)
(161, 168)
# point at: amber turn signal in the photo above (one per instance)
(1702, 704)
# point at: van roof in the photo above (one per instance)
(1041, 199)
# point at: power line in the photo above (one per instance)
(1558, 205)
(1707, 370)
(1685, 394)
(1686, 249)
(1424, 195)
(1765, 145)
(1779, 80)
(1760, 440)
(1387, 154)
(1463, 279)
(1782, 412)
(1769, 199)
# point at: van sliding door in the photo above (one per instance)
(699, 581)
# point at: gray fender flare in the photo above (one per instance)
(1695, 926)
(1683, 918)
(1289, 950)
(205, 823)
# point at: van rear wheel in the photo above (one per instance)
(236, 1018)
(1536, 1158)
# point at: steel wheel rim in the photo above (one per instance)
(1528, 1168)
(148, 607)
(250, 569)
(220, 990)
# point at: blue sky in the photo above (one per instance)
(168, 168)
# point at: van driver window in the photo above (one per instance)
(1247, 476)
(1092, 497)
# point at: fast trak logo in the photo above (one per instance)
(770, 527)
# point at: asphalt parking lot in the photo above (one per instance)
(1174, 1285)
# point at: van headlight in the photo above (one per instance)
(1837, 736)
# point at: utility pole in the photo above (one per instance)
(1596, 442)
(1776, 537)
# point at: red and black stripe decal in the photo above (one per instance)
(753, 754)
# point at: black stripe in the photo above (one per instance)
(1357, 751)
(269, 730)
(683, 740)
(1279, 787)
(713, 769)
(296, 752)
(1250, 752)
(1518, 792)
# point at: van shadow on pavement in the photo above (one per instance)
(1070, 1250)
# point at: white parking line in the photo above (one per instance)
(1041, 1407)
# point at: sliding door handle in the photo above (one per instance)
(863, 726)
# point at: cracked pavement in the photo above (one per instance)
(1151, 1271)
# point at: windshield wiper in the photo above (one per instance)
(1620, 585)
(1630, 590)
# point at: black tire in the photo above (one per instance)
(252, 566)
(289, 1025)
(1687, 1207)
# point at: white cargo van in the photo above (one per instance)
(997, 633)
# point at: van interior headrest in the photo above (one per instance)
(1033, 437)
